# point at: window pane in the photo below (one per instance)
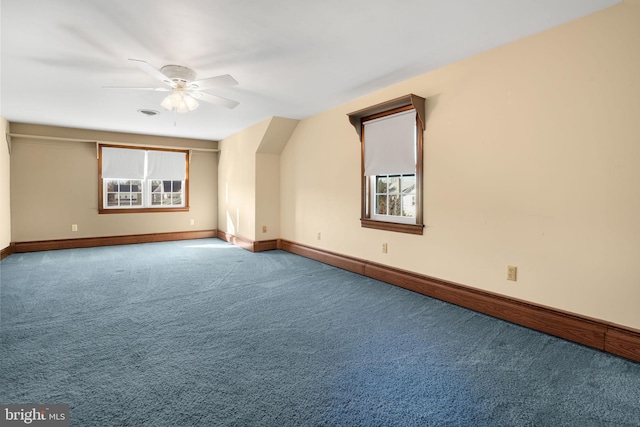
(381, 204)
(409, 205)
(112, 199)
(177, 186)
(136, 199)
(393, 184)
(156, 186)
(408, 184)
(381, 184)
(395, 207)
(112, 185)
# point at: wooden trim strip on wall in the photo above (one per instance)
(623, 341)
(605, 336)
(6, 251)
(250, 245)
(346, 263)
(89, 242)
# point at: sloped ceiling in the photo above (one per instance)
(291, 58)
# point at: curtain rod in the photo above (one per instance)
(55, 138)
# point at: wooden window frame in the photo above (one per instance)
(358, 119)
(103, 210)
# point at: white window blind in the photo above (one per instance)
(122, 163)
(168, 165)
(390, 145)
(119, 163)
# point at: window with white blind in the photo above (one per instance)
(142, 180)
(390, 166)
(391, 139)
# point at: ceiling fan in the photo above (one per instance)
(185, 90)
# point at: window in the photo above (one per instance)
(391, 142)
(142, 180)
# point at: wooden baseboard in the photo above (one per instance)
(623, 341)
(89, 242)
(6, 251)
(346, 263)
(605, 336)
(250, 245)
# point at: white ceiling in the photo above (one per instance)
(292, 58)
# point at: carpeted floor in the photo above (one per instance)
(203, 333)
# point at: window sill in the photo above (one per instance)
(392, 226)
(141, 210)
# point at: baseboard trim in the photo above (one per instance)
(250, 245)
(601, 335)
(89, 242)
(623, 341)
(345, 262)
(6, 251)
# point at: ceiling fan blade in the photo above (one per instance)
(213, 82)
(153, 72)
(157, 89)
(215, 99)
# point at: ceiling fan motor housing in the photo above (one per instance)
(178, 73)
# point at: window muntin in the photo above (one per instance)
(142, 180)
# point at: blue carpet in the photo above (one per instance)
(203, 333)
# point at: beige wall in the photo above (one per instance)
(267, 196)
(5, 190)
(55, 184)
(237, 181)
(249, 179)
(531, 159)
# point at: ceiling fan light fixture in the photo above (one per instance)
(166, 103)
(179, 101)
(192, 104)
(182, 108)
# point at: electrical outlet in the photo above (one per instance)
(264, 228)
(319, 236)
(384, 248)
(192, 221)
(74, 227)
(512, 273)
